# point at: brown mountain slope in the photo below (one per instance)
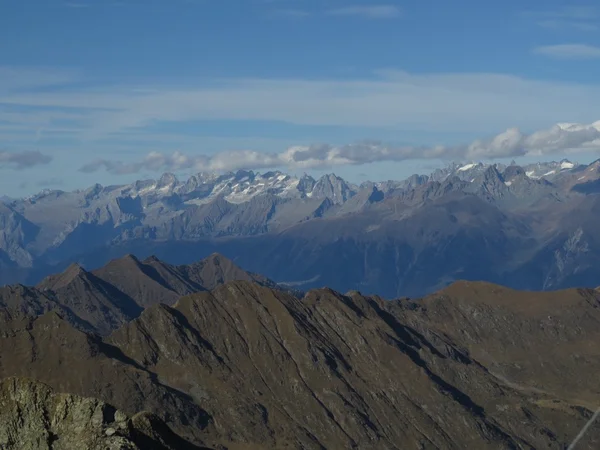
(216, 270)
(152, 281)
(20, 301)
(249, 367)
(333, 372)
(34, 417)
(92, 299)
(111, 296)
(542, 341)
(147, 283)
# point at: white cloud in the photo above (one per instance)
(569, 51)
(371, 12)
(560, 138)
(461, 102)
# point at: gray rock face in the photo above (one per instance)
(33, 417)
(16, 233)
(334, 188)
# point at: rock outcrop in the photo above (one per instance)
(34, 417)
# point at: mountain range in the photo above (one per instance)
(245, 365)
(530, 227)
(113, 295)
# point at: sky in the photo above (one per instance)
(111, 91)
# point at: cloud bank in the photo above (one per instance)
(561, 138)
(437, 103)
(23, 160)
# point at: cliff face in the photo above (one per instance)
(33, 417)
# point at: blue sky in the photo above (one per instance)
(112, 91)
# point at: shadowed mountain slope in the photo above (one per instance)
(107, 298)
(148, 282)
(250, 367)
(216, 270)
(92, 299)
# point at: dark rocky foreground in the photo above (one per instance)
(245, 366)
(34, 417)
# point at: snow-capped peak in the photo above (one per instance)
(463, 171)
(566, 165)
(548, 170)
(467, 167)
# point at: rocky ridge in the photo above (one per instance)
(246, 366)
(107, 298)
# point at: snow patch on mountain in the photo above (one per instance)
(467, 167)
(566, 165)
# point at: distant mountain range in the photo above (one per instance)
(246, 365)
(530, 227)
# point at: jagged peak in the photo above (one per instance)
(129, 257)
(238, 175)
(73, 272)
(74, 269)
(306, 176)
(512, 172)
(152, 259)
(272, 174)
(219, 261)
(492, 174)
(93, 190)
(127, 260)
(331, 178)
(167, 178)
(217, 257)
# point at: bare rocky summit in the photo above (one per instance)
(34, 417)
